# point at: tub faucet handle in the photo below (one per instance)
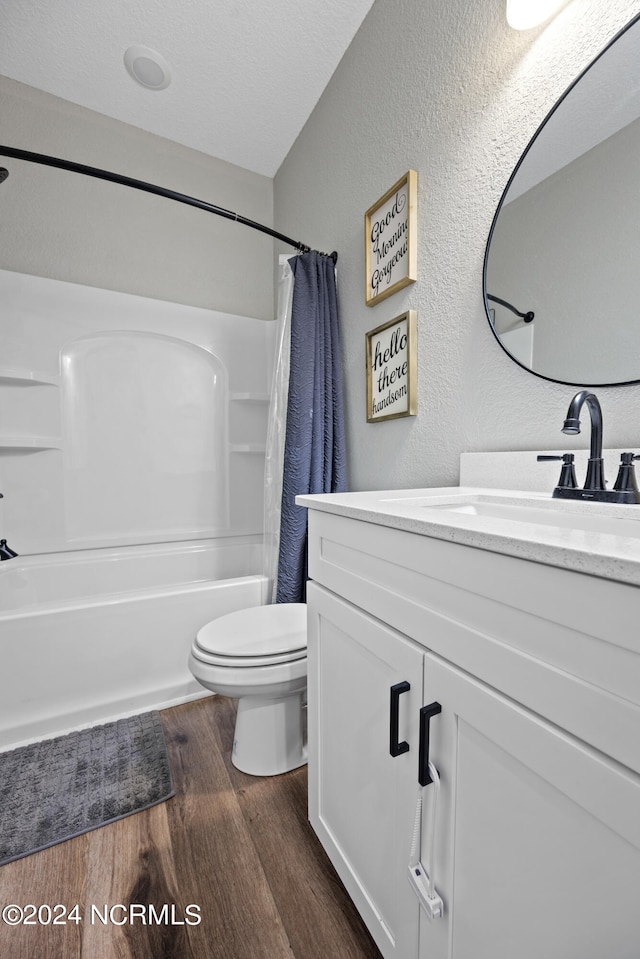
(5, 551)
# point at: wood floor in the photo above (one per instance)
(238, 847)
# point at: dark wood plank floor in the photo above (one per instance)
(238, 847)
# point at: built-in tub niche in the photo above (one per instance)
(145, 438)
(126, 420)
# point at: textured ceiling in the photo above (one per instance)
(594, 110)
(246, 74)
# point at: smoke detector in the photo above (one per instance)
(147, 68)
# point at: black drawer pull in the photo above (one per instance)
(396, 748)
(424, 776)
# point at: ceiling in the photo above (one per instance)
(246, 74)
(606, 100)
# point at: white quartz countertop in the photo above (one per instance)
(594, 538)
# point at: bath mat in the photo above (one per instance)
(60, 788)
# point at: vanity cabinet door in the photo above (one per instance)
(537, 840)
(361, 797)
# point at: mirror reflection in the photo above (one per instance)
(562, 267)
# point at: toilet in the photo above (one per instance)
(259, 656)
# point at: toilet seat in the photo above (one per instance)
(258, 636)
(259, 657)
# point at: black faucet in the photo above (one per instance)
(5, 551)
(625, 489)
(595, 466)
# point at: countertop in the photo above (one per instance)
(608, 553)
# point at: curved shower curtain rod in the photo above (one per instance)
(69, 165)
(527, 317)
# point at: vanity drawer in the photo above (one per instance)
(561, 643)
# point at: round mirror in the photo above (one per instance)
(562, 265)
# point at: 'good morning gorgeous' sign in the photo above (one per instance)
(390, 240)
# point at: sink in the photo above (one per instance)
(598, 538)
(614, 520)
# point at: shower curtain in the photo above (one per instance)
(314, 459)
(274, 460)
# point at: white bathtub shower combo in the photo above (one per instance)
(89, 638)
(132, 438)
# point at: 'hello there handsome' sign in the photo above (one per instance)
(392, 369)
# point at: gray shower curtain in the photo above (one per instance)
(314, 452)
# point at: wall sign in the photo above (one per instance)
(390, 233)
(392, 369)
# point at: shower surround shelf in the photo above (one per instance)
(248, 448)
(23, 377)
(29, 444)
(250, 397)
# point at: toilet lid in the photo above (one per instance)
(261, 635)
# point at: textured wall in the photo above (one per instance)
(446, 89)
(75, 228)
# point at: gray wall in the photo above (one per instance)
(446, 89)
(69, 227)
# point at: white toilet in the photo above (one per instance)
(259, 656)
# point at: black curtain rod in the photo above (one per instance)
(527, 317)
(69, 165)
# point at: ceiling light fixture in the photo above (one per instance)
(525, 14)
(147, 68)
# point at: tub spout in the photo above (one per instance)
(5, 551)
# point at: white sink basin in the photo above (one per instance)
(611, 519)
(601, 539)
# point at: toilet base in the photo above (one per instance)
(270, 735)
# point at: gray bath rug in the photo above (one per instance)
(59, 788)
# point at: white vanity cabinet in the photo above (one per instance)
(537, 829)
(538, 836)
(361, 797)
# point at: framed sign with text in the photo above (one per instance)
(390, 240)
(392, 369)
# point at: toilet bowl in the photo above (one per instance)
(259, 657)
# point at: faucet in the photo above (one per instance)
(595, 466)
(5, 551)
(625, 489)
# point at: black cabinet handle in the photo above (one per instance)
(396, 748)
(424, 776)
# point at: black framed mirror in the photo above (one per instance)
(562, 264)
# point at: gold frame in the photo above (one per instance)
(407, 323)
(409, 227)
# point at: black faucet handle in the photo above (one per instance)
(626, 479)
(5, 551)
(567, 473)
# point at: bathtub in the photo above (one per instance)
(91, 636)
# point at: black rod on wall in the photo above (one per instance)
(69, 165)
(527, 317)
